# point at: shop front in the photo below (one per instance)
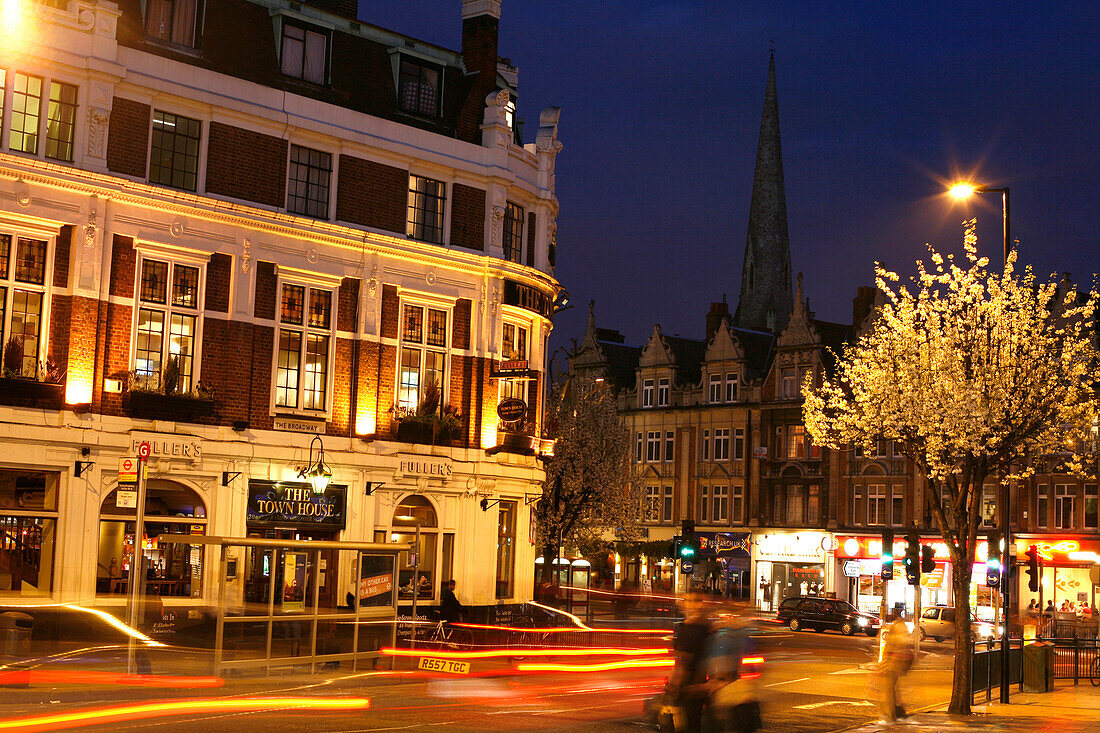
(1069, 569)
(723, 567)
(788, 564)
(859, 577)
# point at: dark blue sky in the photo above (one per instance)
(661, 105)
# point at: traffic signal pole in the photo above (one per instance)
(1006, 565)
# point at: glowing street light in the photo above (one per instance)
(965, 189)
(318, 474)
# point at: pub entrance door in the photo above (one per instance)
(327, 574)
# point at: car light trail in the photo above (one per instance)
(581, 625)
(602, 667)
(491, 653)
(79, 677)
(169, 708)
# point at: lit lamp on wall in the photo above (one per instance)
(317, 474)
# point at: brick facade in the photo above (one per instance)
(468, 217)
(246, 165)
(266, 281)
(218, 273)
(372, 194)
(128, 138)
(123, 262)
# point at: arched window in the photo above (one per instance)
(170, 569)
(434, 558)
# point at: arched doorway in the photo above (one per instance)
(171, 569)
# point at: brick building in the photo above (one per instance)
(227, 228)
(719, 440)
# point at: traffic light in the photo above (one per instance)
(1032, 556)
(912, 559)
(887, 554)
(927, 560)
(689, 543)
(993, 561)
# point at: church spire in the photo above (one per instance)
(765, 302)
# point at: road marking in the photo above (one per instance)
(776, 684)
(852, 670)
(815, 705)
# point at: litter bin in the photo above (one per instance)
(1039, 667)
(15, 633)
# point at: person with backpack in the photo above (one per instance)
(897, 659)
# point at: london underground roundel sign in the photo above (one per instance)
(511, 409)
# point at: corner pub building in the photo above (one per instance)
(228, 229)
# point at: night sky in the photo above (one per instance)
(878, 106)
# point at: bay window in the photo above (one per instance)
(513, 347)
(168, 314)
(423, 360)
(304, 347)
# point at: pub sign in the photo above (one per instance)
(294, 504)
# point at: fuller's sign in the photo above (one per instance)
(161, 445)
(293, 504)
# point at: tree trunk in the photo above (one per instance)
(961, 695)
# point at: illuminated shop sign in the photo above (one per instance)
(800, 547)
(723, 543)
(294, 504)
(1057, 550)
(871, 547)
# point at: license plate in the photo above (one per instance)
(450, 666)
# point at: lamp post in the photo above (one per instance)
(961, 191)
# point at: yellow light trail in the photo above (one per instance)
(169, 708)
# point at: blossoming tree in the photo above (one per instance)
(972, 373)
(590, 488)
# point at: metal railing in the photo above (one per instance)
(1073, 657)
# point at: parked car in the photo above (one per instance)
(938, 623)
(820, 614)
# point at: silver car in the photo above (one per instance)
(938, 622)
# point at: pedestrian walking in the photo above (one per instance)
(686, 684)
(897, 659)
(733, 677)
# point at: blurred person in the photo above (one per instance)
(897, 659)
(687, 683)
(450, 609)
(733, 681)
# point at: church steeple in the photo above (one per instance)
(765, 302)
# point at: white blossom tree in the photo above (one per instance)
(972, 373)
(590, 488)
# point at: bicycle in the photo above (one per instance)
(1094, 672)
(445, 635)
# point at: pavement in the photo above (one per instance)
(1068, 709)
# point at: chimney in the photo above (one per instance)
(862, 304)
(344, 8)
(480, 24)
(718, 311)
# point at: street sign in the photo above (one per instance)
(126, 499)
(127, 470)
(686, 566)
(853, 568)
(144, 449)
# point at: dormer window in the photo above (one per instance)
(418, 88)
(662, 392)
(647, 393)
(174, 21)
(304, 53)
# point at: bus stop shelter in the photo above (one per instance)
(269, 612)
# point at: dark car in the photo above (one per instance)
(820, 614)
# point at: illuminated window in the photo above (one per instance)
(308, 181)
(22, 303)
(989, 505)
(60, 121)
(651, 509)
(422, 368)
(418, 88)
(303, 352)
(174, 158)
(305, 53)
(425, 213)
(506, 549)
(796, 442)
(28, 530)
(26, 111)
(174, 21)
(168, 319)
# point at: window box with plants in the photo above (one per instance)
(430, 423)
(162, 396)
(27, 382)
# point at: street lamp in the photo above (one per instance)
(964, 190)
(318, 474)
